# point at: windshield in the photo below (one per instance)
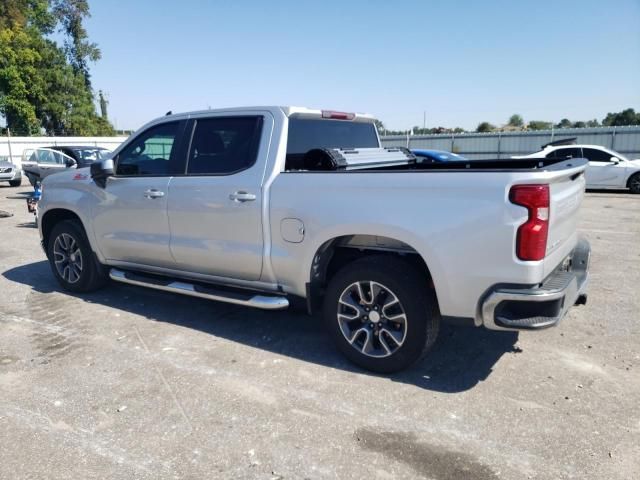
(92, 154)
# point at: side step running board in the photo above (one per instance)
(237, 297)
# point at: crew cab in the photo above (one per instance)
(255, 206)
(606, 169)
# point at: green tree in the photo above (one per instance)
(484, 127)
(625, 117)
(516, 120)
(79, 50)
(539, 125)
(39, 86)
(564, 123)
(593, 123)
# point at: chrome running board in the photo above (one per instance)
(222, 294)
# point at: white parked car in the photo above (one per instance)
(606, 169)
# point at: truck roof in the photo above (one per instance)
(287, 110)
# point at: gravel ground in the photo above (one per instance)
(131, 383)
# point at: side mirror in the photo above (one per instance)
(615, 160)
(70, 162)
(100, 171)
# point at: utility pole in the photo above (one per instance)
(103, 105)
(9, 144)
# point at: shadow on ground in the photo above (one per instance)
(462, 357)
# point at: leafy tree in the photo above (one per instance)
(592, 123)
(564, 123)
(79, 51)
(516, 120)
(39, 86)
(484, 127)
(625, 117)
(539, 125)
(579, 124)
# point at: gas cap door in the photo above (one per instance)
(292, 230)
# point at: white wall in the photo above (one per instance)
(19, 144)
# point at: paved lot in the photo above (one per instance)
(129, 383)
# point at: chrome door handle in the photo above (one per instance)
(153, 193)
(242, 197)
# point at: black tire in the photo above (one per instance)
(91, 275)
(634, 183)
(15, 183)
(417, 300)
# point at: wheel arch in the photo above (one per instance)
(54, 216)
(341, 250)
(632, 175)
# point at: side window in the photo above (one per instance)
(597, 155)
(46, 156)
(563, 153)
(150, 152)
(224, 145)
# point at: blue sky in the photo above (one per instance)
(460, 61)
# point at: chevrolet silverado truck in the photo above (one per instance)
(257, 206)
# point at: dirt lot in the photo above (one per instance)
(130, 383)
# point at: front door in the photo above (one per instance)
(50, 162)
(215, 210)
(130, 222)
(602, 171)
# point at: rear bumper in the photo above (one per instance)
(542, 306)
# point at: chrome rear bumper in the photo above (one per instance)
(542, 306)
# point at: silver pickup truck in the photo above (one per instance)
(254, 206)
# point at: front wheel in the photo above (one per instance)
(72, 260)
(634, 183)
(381, 313)
(15, 183)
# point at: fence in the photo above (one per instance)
(625, 140)
(12, 147)
(475, 146)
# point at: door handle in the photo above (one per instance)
(153, 193)
(242, 197)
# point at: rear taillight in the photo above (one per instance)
(531, 241)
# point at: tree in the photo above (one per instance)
(593, 123)
(39, 86)
(516, 120)
(564, 123)
(79, 51)
(539, 125)
(625, 117)
(484, 127)
(579, 124)
(379, 126)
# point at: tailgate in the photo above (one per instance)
(567, 192)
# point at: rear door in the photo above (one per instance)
(130, 221)
(215, 208)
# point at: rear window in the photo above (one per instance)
(306, 134)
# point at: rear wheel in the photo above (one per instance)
(15, 183)
(634, 183)
(381, 313)
(72, 260)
